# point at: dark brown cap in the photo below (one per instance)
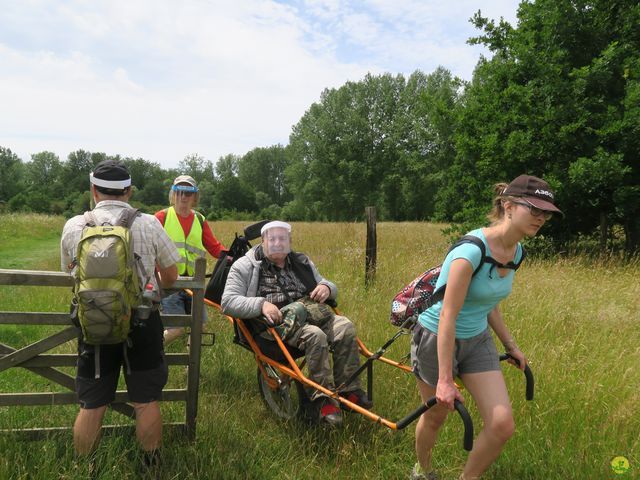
(534, 190)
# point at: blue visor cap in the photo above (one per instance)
(184, 188)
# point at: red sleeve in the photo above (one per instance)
(210, 242)
(161, 215)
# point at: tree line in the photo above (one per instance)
(559, 98)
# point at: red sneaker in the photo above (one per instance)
(359, 397)
(330, 414)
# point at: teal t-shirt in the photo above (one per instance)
(486, 290)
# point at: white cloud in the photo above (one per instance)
(162, 79)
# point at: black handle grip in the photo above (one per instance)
(416, 413)
(527, 373)
(467, 442)
(462, 411)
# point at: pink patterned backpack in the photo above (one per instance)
(421, 293)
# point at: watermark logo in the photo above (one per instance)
(620, 465)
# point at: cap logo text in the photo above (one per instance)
(544, 192)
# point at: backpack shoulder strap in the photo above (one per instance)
(439, 293)
(90, 219)
(522, 257)
(478, 243)
(510, 265)
(126, 219)
(128, 216)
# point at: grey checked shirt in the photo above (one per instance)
(271, 289)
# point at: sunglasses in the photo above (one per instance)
(185, 190)
(535, 211)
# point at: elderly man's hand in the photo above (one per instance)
(320, 293)
(271, 313)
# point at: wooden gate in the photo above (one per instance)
(33, 356)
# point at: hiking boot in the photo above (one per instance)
(359, 397)
(329, 413)
(417, 474)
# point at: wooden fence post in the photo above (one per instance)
(195, 346)
(371, 248)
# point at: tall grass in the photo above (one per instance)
(577, 321)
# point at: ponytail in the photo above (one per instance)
(497, 209)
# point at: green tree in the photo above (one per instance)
(230, 194)
(11, 180)
(43, 181)
(143, 171)
(197, 167)
(424, 129)
(75, 171)
(558, 89)
(19, 202)
(342, 149)
(382, 141)
(262, 170)
(597, 179)
(155, 192)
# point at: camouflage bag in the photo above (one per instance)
(317, 313)
(294, 316)
(297, 314)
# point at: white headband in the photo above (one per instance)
(275, 224)
(113, 184)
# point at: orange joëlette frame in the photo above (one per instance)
(293, 370)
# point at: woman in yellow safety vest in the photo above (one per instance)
(192, 236)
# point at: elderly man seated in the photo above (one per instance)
(271, 276)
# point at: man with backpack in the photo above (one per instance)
(112, 252)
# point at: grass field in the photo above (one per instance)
(577, 321)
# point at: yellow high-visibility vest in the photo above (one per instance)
(190, 248)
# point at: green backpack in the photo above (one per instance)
(107, 283)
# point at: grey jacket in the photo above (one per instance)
(241, 289)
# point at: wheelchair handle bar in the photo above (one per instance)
(464, 414)
(527, 373)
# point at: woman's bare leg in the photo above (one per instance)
(428, 426)
(490, 394)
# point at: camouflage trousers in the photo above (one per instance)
(338, 337)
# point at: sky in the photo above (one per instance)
(164, 79)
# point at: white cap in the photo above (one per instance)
(275, 224)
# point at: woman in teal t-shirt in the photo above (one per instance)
(452, 338)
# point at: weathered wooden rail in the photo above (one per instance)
(34, 358)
